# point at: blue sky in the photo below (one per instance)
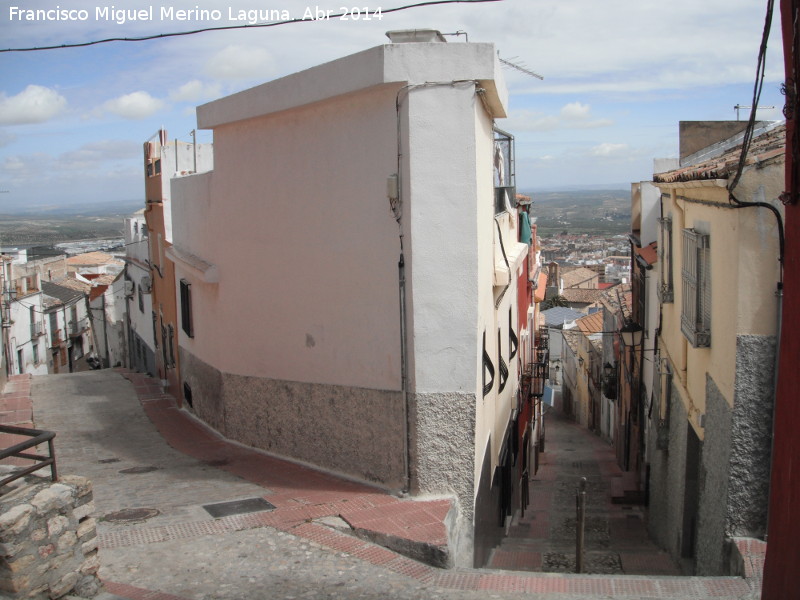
(618, 77)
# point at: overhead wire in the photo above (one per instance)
(232, 27)
(748, 138)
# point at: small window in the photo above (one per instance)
(141, 300)
(186, 308)
(157, 166)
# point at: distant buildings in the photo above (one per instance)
(46, 314)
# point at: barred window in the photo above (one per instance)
(696, 292)
(665, 292)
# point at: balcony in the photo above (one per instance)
(37, 329)
(76, 328)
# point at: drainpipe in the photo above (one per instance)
(401, 269)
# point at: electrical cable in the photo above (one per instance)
(748, 137)
(231, 27)
(759, 84)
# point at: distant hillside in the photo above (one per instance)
(97, 209)
(582, 211)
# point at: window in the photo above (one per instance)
(696, 292)
(35, 347)
(504, 184)
(665, 293)
(141, 300)
(186, 308)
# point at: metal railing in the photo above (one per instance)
(37, 436)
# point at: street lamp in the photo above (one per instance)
(631, 334)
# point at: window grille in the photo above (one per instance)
(665, 288)
(696, 292)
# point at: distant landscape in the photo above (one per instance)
(52, 225)
(596, 212)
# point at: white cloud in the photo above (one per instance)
(571, 116)
(607, 149)
(575, 111)
(137, 105)
(241, 62)
(195, 91)
(34, 104)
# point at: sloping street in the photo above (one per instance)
(155, 468)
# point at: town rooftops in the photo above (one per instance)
(558, 315)
(577, 277)
(92, 259)
(408, 63)
(582, 295)
(590, 324)
(722, 160)
(62, 294)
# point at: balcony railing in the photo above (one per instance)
(37, 329)
(78, 327)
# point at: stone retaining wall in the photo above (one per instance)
(48, 540)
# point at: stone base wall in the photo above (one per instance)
(48, 540)
(667, 483)
(442, 460)
(714, 484)
(352, 431)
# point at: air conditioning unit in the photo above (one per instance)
(146, 284)
(128, 288)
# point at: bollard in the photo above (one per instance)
(580, 523)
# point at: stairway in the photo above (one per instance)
(616, 540)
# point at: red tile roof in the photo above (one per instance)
(769, 146)
(541, 286)
(592, 323)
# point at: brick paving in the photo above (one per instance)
(544, 539)
(291, 552)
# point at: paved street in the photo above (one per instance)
(615, 534)
(154, 468)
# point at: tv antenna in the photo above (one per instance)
(519, 66)
(742, 107)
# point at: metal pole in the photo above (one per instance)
(580, 522)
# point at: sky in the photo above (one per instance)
(619, 75)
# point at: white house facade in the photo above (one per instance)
(348, 273)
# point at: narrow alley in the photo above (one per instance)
(616, 540)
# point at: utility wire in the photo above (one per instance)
(229, 27)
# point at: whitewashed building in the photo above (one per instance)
(348, 275)
(138, 287)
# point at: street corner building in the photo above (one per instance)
(354, 279)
